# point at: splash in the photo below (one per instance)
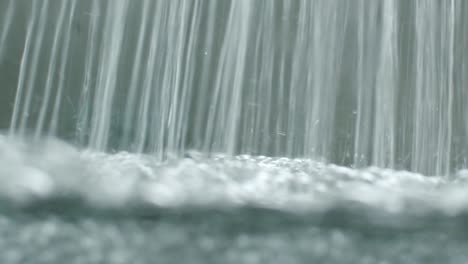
(34, 174)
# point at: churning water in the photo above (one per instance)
(236, 131)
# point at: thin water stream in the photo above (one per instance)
(233, 131)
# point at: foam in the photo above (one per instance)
(51, 169)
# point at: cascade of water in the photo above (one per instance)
(433, 87)
(51, 70)
(32, 74)
(207, 47)
(64, 57)
(15, 119)
(87, 91)
(114, 28)
(6, 22)
(258, 101)
(223, 123)
(373, 83)
(365, 81)
(149, 80)
(385, 90)
(136, 75)
(323, 81)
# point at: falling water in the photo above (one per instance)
(366, 83)
(289, 105)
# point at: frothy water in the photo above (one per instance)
(50, 170)
(59, 203)
(237, 131)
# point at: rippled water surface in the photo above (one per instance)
(60, 204)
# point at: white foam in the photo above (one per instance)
(51, 169)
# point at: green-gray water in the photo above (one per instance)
(235, 131)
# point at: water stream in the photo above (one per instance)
(237, 131)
